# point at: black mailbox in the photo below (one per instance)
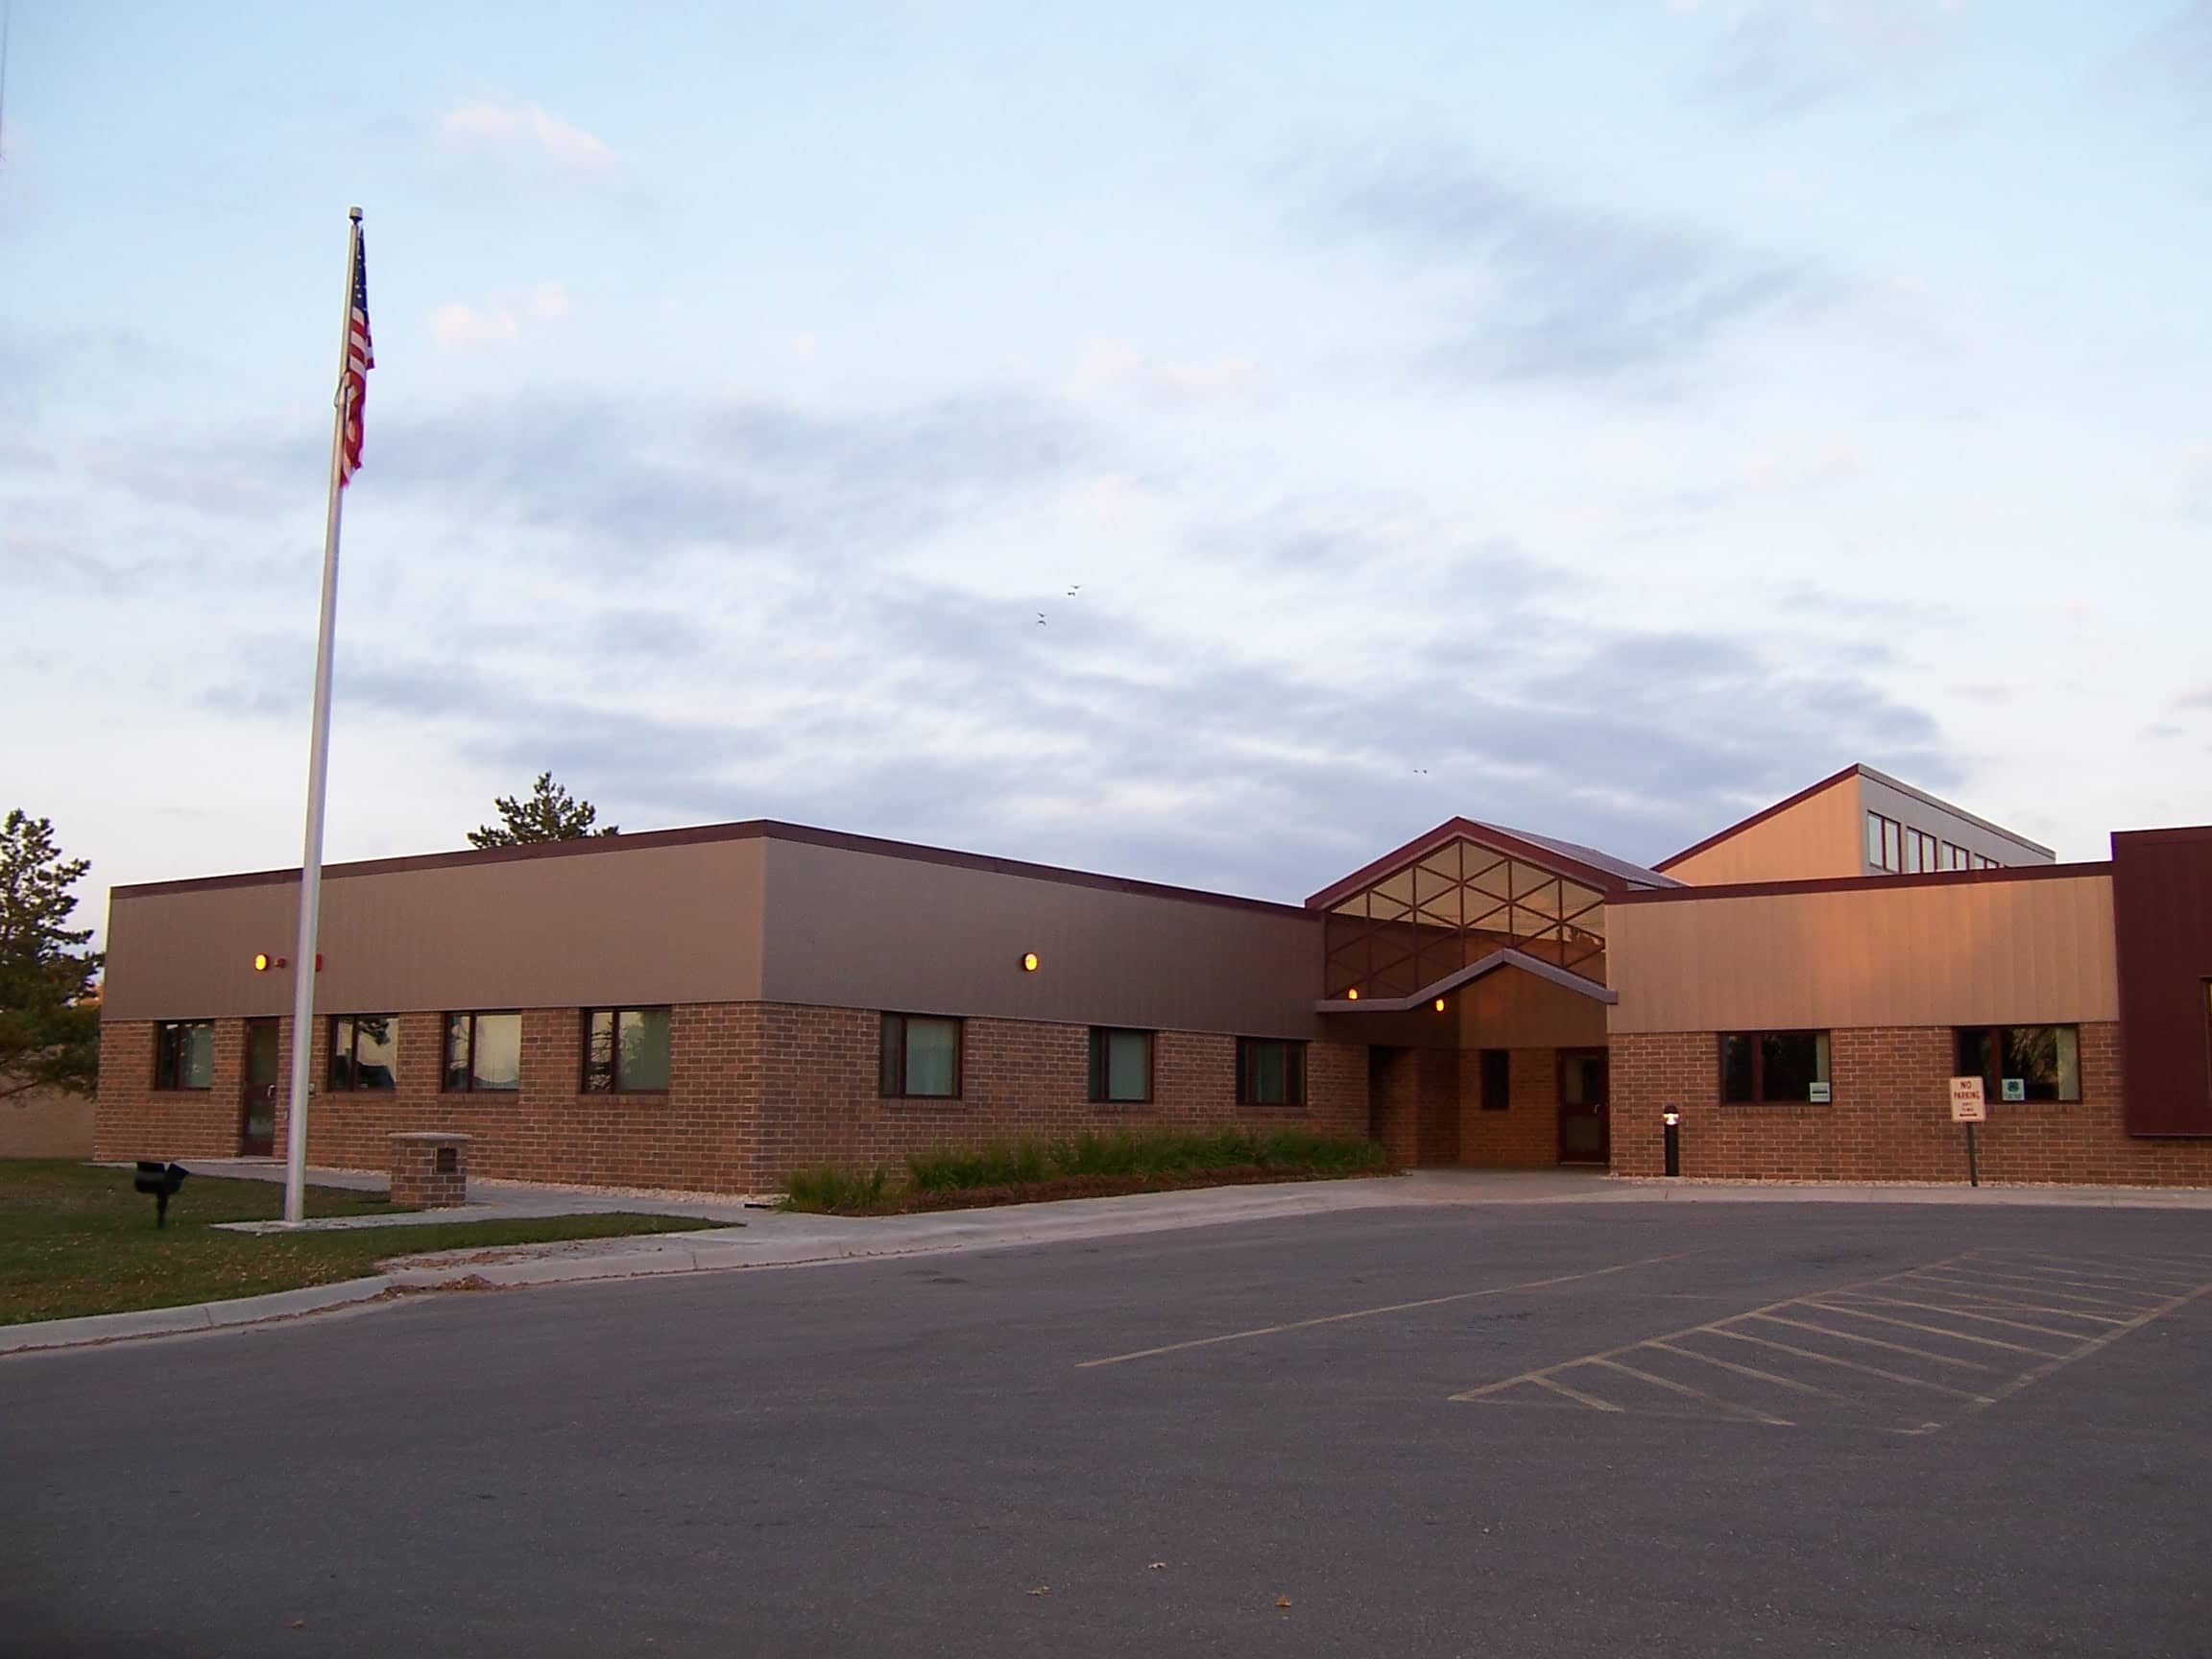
(163, 1181)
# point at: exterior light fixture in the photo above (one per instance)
(263, 962)
(1029, 962)
(1352, 995)
(1439, 1004)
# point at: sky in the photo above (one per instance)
(1211, 444)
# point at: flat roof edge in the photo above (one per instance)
(744, 830)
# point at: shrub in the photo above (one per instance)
(1003, 1163)
(832, 1189)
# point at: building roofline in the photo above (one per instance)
(1872, 883)
(1758, 817)
(2183, 832)
(1942, 805)
(1505, 957)
(1502, 841)
(746, 830)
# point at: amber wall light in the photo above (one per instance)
(1029, 962)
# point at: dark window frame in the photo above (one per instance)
(1293, 1071)
(1992, 1043)
(891, 1078)
(469, 1084)
(1823, 1060)
(1497, 1079)
(169, 1055)
(353, 1084)
(614, 1084)
(1101, 1076)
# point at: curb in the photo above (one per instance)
(95, 1328)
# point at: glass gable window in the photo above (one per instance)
(626, 1050)
(919, 1058)
(184, 1055)
(483, 1052)
(1121, 1065)
(364, 1051)
(1270, 1071)
(1451, 908)
(1774, 1068)
(2021, 1063)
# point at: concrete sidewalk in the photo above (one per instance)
(773, 1238)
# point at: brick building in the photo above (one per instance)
(712, 1008)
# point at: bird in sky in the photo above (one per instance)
(1040, 618)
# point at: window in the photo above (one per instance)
(1121, 1065)
(364, 1051)
(184, 1055)
(2032, 1062)
(1497, 1079)
(1884, 842)
(483, 1052)
(626, 1050)
(1762, 1067)
(1270, 1071)
(919, 1058)
(1982, 863)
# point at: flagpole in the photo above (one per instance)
(303, 958)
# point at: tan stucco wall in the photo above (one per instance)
(650, 925)
(1952, 952)
(1821, 835)
(848, 928)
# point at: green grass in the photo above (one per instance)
(75, 1239)
(1133, 1157)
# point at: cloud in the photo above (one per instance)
(459, 326)
(1109, 366)
(503, 123)
(1552, 291)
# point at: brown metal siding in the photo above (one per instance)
(2162, 924)
(671, 923)
(1819, 836)
(852, 930)
(1959, 952)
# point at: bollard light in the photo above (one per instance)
(1671, 1119)
(161, 1180)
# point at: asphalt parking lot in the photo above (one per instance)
(1665, 1429)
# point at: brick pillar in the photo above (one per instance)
(429, 1169)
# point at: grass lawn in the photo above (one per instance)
(76, 1239)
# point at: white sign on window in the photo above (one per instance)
(1819, 1095)
(2015, 1088)
(1968, 1105)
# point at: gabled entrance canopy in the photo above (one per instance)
(1462, 901)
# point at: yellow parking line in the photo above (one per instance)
(1558, 1387)
(2094, 1344)
(1752, 1371)
(2097, 1278)
(1985, 1296)
(1659, 1381)
(1958, 1313)
(2202, 1264)
(1874, 1342)
(1374, 1313)
(1931, 1330)
(1853, 1365)
(2123, 1301)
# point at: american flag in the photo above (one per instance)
(360, 358)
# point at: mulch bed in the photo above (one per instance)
(1107, 1186)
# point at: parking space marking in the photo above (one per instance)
(1943, 1304)
(1258, 1331)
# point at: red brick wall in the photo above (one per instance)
(1525, 1135)
(756, 1090)
(1889, 1120)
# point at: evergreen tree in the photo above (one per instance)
(549, 814)
(49, 1018)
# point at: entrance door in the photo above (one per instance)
(1584, 1135)
(257, 1111)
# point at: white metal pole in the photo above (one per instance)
(304, 1043)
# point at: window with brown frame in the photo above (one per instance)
(1774, 1068)
(184, 1055)
(1497, 1079)
(1120, 1065)
(1270, 1071)
(364, 1051)
(2021, 1063)
(919, 1058)
(483, 1053)
(626, 1050)
(1884, 842)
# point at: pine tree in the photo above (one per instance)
(49, 1019)
(549, 814)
